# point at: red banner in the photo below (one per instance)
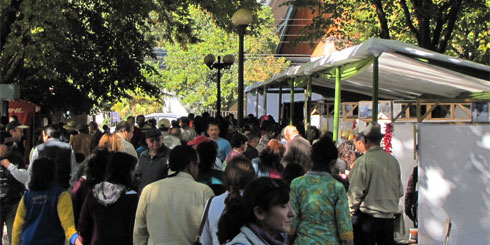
(25, 111)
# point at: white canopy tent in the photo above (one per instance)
(387, 69)
(405, 72)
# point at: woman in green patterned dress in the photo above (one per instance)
(320, 201)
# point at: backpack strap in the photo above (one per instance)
(203, 221)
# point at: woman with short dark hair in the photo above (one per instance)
(208, 151)
(94, 173)
(261, 216)
(320, 201)
(239, 145)
(45, 212)
(108, 213)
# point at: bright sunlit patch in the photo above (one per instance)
(438, 188)
(434, 228)
(485, 141)
(419, 52)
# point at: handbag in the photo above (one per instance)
(203, 221)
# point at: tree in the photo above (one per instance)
(438, 25)
(139, 102)
(471, 38)
(192, 81)
(79, 54)
(76, 54)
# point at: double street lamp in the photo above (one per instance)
(228, 60)
(241, 19)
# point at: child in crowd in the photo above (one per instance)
(45, 212)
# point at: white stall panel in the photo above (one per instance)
(454, 183)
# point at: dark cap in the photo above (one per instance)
(152, 132)
(15, 124)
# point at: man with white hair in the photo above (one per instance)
(298, 149)
(125, 131)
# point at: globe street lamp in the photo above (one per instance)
(241, 19)
(228, 60)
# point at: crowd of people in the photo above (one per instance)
(197, 180)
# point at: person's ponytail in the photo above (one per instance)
(239, 171)
(232, 219)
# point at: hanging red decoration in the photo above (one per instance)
(387, 138)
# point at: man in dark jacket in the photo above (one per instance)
(411, 197)
(11, 190)
(16, 130)
(153, 162)
(95, 132)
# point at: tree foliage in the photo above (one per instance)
(455, 27)
(77, 54)
(138, 102)
(193, 82)
(176, 20)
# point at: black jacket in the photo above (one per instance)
(11, 190)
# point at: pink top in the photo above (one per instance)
(233, 153)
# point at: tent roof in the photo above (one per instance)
(405, 72)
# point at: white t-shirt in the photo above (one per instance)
(208, 235)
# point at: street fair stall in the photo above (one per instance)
(403, 87)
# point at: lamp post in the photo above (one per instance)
(241, 19)
(228, 60)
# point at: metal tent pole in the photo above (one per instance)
(307, 108)
(257, 103)
(291, 106)
(375, 90)
(264, 101)
(336, 112)
(280, 103)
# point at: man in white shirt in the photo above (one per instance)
(169, 210)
